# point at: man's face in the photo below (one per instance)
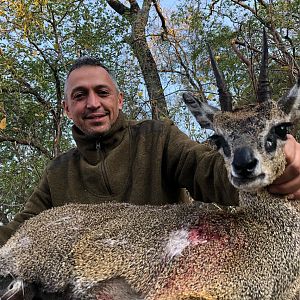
(92, 100)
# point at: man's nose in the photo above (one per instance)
(93, 101)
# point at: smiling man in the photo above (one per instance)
(139, 162)
(93, 99)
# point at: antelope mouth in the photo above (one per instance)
(248, 182)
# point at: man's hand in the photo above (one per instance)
(289, 182)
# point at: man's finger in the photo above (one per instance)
(290, 149)
(289, 174)
(289, 187)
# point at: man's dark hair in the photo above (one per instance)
(87, 61)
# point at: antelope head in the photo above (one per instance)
(250, 138)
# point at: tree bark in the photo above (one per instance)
(138, 18)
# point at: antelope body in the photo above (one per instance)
(194, 251)
(172, 252)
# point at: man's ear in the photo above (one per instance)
(66, 109)
(120, 100)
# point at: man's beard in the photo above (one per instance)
(92, 133)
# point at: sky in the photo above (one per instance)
(169, 3)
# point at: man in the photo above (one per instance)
(145, 162)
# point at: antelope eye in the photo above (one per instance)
(277, 132)
(217, 139)
(271, 143)
(282, 130)
(220, 142)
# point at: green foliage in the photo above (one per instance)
(221, 23)
(20, 170)
(39, 41)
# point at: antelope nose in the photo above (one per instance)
(244, 161)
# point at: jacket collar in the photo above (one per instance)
(93, 148)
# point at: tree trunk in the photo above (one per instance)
(138, 18)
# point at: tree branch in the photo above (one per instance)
(119, 7)
(212, 7)
(290, 60)
(70, 7)
(239, 54)
(134, 6)
(254, 49)
(287, 37)
(138, 19)
(161, 16)
(54, 69)
(188, 72)
(141, 15)
(263, 3)
(32, 91)
(246, 61)
(31, 143)
(41, 52)
(253, 11)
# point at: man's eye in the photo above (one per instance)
(103, 93)
(78, 96)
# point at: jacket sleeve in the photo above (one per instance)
(198, 168)
(39, 200)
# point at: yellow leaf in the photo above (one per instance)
(202, 79)
(140, 93)
(3, 123)
(285, 68)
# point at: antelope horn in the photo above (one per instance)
(224, 95)
(263, 88)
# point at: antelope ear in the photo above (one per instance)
(202, 111)
(290, 103)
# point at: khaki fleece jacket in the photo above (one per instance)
(143, 162)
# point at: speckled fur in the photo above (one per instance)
(241, 255)
(182, 252)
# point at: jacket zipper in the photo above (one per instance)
(102, 167)
(98, 148)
